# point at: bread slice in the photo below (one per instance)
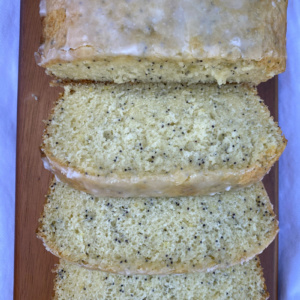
(157, 235)
(170, 41)
(238, 282)
(154, 139)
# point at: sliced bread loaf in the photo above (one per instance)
(157, 235)
(236, 283)
(170, 41)
(156, 139)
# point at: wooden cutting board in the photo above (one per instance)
(33, 264)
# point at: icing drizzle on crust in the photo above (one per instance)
(171, 185)
(165, 29)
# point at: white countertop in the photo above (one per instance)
(289, 166)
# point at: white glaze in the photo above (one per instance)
(153, 186)
(43, 8)
(163, 29)
(46, 164)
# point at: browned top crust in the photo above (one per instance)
(203, 29)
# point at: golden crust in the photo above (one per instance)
(52, 26)
(265, 294)
(181, 183)
(258, 41)
(66, 16)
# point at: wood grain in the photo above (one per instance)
(269, 258)
(33, 264)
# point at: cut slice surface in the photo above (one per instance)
(157, 235)
(238, 282)
(155, 139)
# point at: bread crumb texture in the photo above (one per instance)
(239, 282)
(129, 69)
(157, 235)
(144, 130)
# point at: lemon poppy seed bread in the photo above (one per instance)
(169, 41)
(160, 140)
(238, 282)
(157, 235)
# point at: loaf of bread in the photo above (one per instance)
(164, 41)
(157, 235)
(160, 140)
(236, 283)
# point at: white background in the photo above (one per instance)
(289, 182)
